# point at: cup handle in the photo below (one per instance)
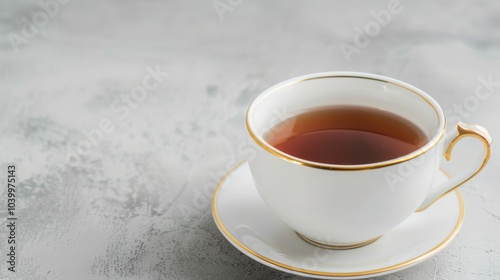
(452, 138)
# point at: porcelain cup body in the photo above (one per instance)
(345, 205)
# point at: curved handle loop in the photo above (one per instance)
(462, 130)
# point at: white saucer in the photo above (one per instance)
(248, 224)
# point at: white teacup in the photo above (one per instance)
(347, 206)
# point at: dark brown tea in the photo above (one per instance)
(346, 135)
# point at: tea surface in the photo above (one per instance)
(346, 135)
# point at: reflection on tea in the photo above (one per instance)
(346, 135)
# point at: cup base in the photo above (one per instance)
(338, 247)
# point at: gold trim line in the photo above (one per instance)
(462, 132)
(434, 140)
(338, 247)
(228, 235)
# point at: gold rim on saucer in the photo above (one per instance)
(414, 260)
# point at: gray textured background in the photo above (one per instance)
(136, 204)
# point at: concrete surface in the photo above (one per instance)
(114, 180)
